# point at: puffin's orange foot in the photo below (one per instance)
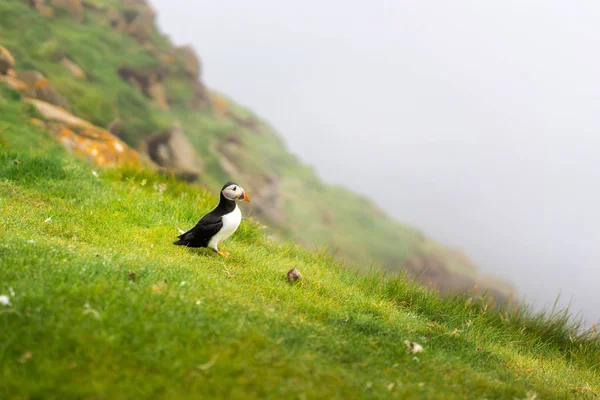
(223, 253)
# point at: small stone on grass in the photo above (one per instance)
(25, 357)
(413, 347)
(294, 275)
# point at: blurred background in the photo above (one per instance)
(475, 121)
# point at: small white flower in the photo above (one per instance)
(89, 310)
(94, 173)
(198, 302)
(5, 300)
(209, 364)
(47, 220)
(160, 188)
(31, 241)
(182, 283)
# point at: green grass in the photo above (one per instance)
(104, 306)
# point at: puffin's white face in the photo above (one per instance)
(235, 192)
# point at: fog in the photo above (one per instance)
(477, 122)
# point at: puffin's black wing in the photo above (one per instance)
(200, 235)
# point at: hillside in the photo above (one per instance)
(95, 302)
(106, 63)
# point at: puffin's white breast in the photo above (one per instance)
(231, 222)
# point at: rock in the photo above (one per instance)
(36, 4)
(58, 114)
(74, 69)
(136, 20)
(294, 275)
(219, 105)
(141, 22)
(46, 11)
(41, 88)
(156, 91)
(74, 7)
(41, 7)
(201, 97)
(433, 269)
(165, 57)
(116, 20)
(7, 62)
(117, 128)
(265, 187)
(93, 6)
(134, 2)
(98, 145)
(413, 347)
(85, 139)
(15, 83)
(266, 199)
(190, 60)
(149, 82)
(173, 151)
(130, 14)
(250, 122)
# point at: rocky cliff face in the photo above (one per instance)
(173, 151)
(264, 186)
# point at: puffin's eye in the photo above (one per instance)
(234, 188)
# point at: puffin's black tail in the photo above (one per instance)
(181, 242)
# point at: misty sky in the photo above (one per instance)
(477, 122)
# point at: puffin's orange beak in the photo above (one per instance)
(244, 196)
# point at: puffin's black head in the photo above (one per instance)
(233, 191)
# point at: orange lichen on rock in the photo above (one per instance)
(85, 139)
(38, 122)
(41, 88)
(220, 105)
(42, 83)
(98, 145)
(6, 60)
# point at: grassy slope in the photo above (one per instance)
(363, 235)
(193, 325)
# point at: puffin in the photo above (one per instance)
(219, 224)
